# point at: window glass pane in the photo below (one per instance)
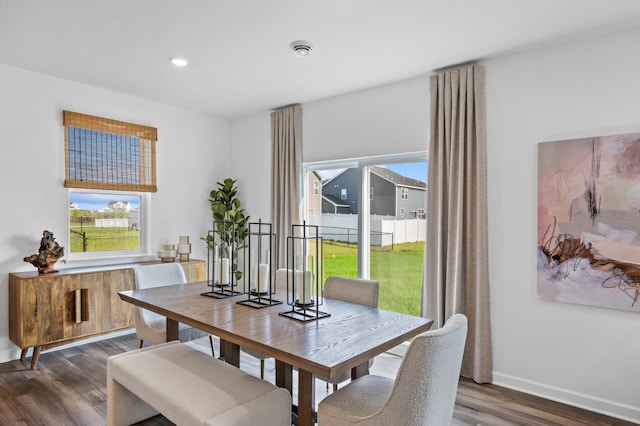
(104, 222)
(336, 218)
(397, 242)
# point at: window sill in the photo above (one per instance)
(107, 260)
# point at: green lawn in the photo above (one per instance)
(399, 272)
(105, 239)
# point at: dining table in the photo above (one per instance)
(345, 339)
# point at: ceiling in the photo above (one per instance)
(240, 59)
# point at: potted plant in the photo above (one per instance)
(232, 226)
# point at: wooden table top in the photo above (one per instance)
(326, 347)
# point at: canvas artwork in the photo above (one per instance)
(589, 221)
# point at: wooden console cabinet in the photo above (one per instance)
(48, 310)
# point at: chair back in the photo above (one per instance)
(156, 275)
(424, 392)
(352, 290)
(281, 278)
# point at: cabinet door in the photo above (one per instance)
(84, 312)
(120, 312)
(40, 310)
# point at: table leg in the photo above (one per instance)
(284, 376)
(23, 354)
(230, 352)
(360, 370)
(306, 398)
(172, 330)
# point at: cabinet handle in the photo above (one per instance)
(82, 305)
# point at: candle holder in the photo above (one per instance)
(304, 274)
(222, 260)
(167, 253)
(259, 277)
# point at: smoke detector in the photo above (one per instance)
(301, 47)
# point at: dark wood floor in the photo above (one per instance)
(69, 388)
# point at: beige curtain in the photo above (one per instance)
(456, 259)
(286, 174)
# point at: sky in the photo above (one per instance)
(416, 171)
(88, 201)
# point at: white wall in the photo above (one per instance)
(385, 120)
(192, 152)
(585, 356)
(251, 164)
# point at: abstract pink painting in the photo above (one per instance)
(589, 221)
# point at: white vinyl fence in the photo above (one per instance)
(385, 231)
(112, 223)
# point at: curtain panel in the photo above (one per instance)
(456, 255)
(286, 174)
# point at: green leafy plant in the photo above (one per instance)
(232, 225)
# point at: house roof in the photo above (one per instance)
(397, 179)
(334, 200)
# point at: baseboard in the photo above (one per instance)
(598, 405)
(7, 355)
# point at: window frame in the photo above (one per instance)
(144, 164)
(144, 249)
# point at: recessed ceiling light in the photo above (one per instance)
(179, 62)
(301, 47)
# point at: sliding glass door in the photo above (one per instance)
(371, 214)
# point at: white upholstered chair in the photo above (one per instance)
(352, 290)
(423, 393)
(152, 327)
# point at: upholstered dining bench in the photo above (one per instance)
(189, 387)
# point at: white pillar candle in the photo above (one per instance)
(253, 278)
(216, 271)
(263, 278)
(225, 272)
(303, 281)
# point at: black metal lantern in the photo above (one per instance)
(223, 267)
(261, 256)
(304, 273)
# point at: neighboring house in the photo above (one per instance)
(390, 194)
(117, 206)
(340, 193)
(314, 194)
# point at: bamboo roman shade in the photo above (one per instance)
(108, 154)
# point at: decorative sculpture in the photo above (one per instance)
(50, 252)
